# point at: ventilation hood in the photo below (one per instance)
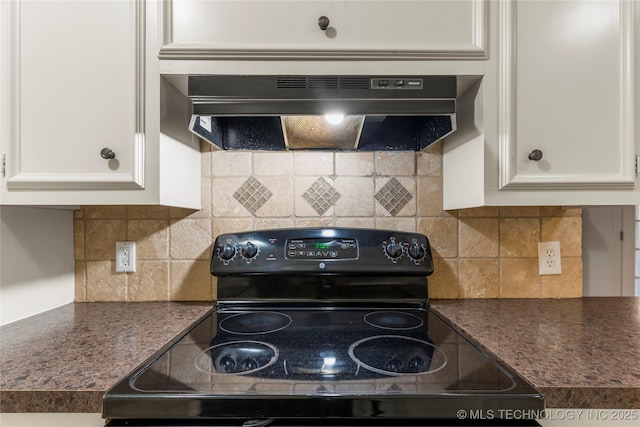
(367, 113)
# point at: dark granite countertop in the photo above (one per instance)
(580, 353)
(64, 360)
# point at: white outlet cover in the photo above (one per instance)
(549, 258)
(125, 257)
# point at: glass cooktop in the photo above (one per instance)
(323, 352)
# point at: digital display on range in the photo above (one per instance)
(322, 249)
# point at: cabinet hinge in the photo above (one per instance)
(622, 235)
(636, 165)
(4, 165)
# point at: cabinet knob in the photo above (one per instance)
(535, 155)
(107, 153)
(323, 23)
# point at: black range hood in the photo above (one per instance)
(251, 112)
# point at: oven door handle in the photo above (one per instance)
(254, 422)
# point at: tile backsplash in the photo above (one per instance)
(479, 253)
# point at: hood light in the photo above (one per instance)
(334, 118)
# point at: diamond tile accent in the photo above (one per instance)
(321, 196)
(252, 194)
(393, 196)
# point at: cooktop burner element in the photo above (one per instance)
(237, 357)
(255, 323)
(397, 355)
(394, 320)
(321, 327)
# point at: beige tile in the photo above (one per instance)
(520, 279)
(206, 151)
(520, 211)
(80, 284)
(78, 239)
(101, 237)
(151, 237)
(395, 163)
(230, 163)
(429, 161)
(147, 212)
(519, 237)
(442, 233)
(443, 283)
(266, 223)
(104, 212)
(398, 224)
(190, 239)
(409, 209)
(103, 283)
(354, 164)
(566, 285)
(355, 222)
(230, 225)
(484, 212)
(429, 201)
(479, 278)
(190, 281)
(270, 164)
(313, 163)
(547, 211)
(478, 237)
(223, 204)
(314, 222)
(567, 230)
(150, 282)
(356, 197)
(181, 213)
(280, 204)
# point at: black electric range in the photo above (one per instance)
(327, 326)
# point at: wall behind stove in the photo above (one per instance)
(479, 253)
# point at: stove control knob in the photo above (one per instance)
(393, 249)
(416, 252)
(249, 250)
(227, 252)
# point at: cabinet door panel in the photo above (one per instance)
(356, 28)
(569, 83)
(75, 77)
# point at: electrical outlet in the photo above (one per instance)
(125, 257)
(549, 258)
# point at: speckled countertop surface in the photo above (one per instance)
(580, 353)
(64, 360)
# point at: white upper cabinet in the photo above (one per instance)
(567, 78)
(554, 120)
(324, 29)
(81, 106)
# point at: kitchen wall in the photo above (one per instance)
(479, 253)
(637, 251)
(36, 262)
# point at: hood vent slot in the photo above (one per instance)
(354, 83)
(323, 83)
(292, 83)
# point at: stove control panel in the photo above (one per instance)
(322, 251)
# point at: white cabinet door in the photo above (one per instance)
(73, 89)
(78, 77)
(562, 79)
(440, 29)
(567, 82)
